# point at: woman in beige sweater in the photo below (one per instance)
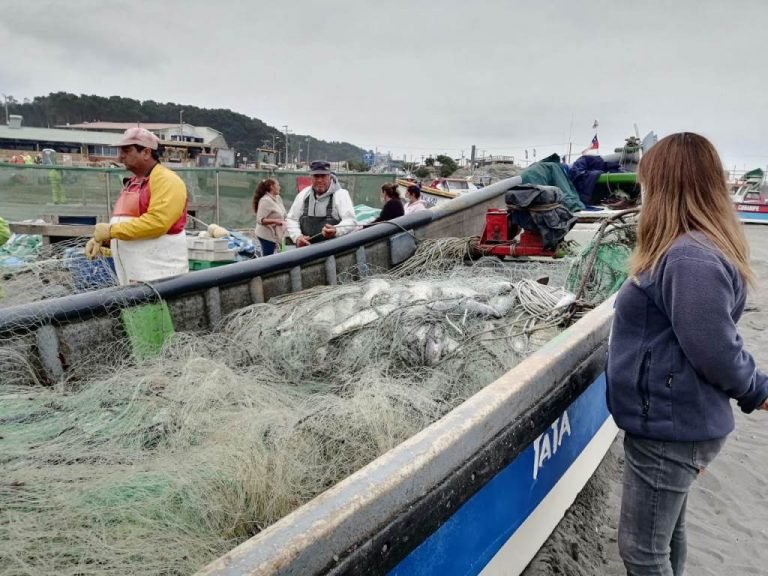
(270, 215)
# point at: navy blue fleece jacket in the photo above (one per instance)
(675, 358)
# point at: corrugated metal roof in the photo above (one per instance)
(118, 125)
(59, 135)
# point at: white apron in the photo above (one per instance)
(148, 259)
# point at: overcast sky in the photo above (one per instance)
(417, 77)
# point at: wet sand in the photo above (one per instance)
(727, 508)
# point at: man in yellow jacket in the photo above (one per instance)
(146, 232)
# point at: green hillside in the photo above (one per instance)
(241, 132)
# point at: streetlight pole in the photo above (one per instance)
(5, 97)
(285, 126)
(308, 159)
(181, 124)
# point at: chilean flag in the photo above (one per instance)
(594, 146)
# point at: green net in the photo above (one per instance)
(601, 266)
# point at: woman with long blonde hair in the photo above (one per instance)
(675, 357)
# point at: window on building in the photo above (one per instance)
(101, 150)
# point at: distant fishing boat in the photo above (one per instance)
(439, 190)
(750, 198)
(457, 185)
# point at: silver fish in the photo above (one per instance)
(373, 289)
(503, 303)
(362, 318)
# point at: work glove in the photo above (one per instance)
(92, 249)
(101, 232)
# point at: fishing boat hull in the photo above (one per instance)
(431, 196)
(476, 492)
(502, 526)
(750, 198)
(752, 213)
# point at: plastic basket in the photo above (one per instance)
(205, 264)
(208, 244)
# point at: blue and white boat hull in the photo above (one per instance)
(752, 213)
(500, 529)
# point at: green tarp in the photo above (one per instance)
(20, 249)
(550, 174)
(365, 214)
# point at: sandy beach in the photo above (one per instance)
(727, 510)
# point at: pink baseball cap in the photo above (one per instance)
(139, 136)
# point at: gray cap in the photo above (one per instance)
(319, 167)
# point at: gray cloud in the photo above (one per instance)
(416, 77)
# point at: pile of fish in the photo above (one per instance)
(430, 318)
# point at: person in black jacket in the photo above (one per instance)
(393, 205)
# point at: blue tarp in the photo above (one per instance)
(585, 172)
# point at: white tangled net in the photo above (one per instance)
(159, 466)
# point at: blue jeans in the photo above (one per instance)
(267, 247)
(657, 478)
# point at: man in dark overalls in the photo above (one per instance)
(321, 211)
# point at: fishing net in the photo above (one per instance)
(159, 465)
(600, 267)
(33, 271)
